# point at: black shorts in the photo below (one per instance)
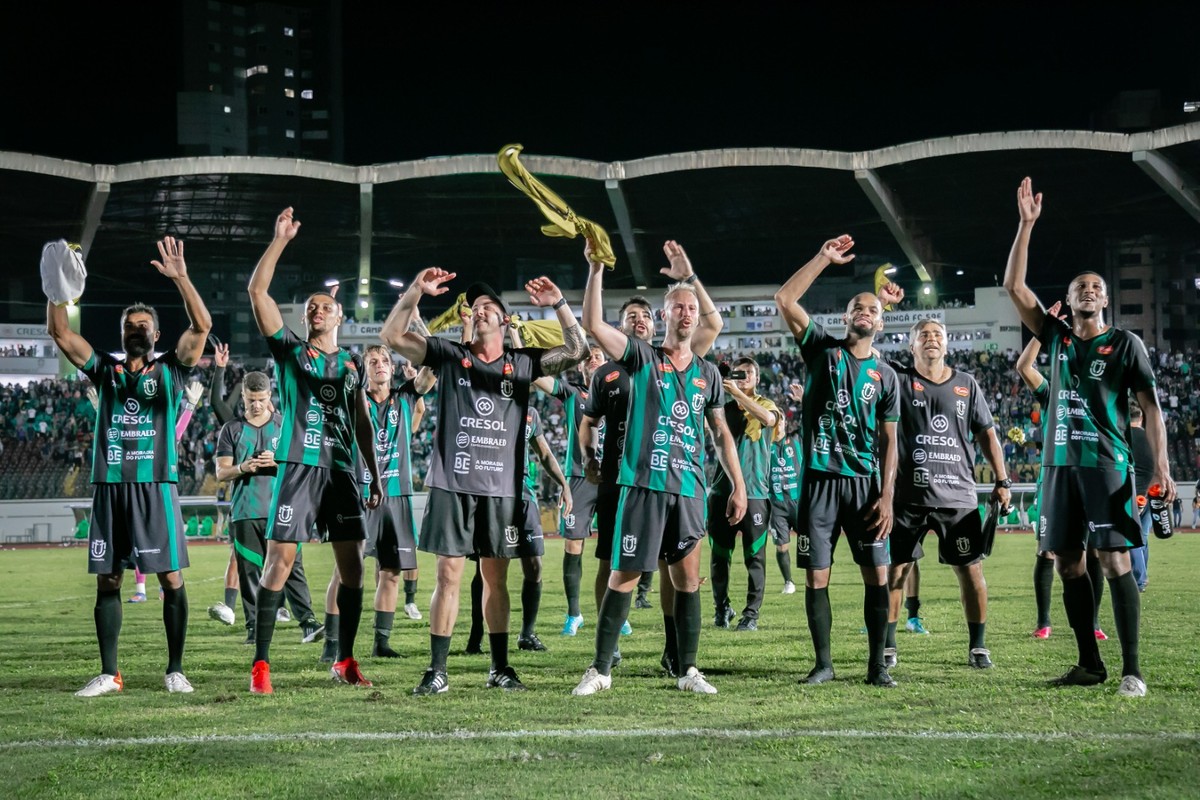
(753, 527)
(653, 525)
(783, 518)
(249, 537)
(831, 503)
(959, 531)
(392, 534)
(304, 496)
(467, 524)
(578, 524)
(607, 498)
(529, 523)
(136, 525)
(1084, 507)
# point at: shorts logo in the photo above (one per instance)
(462, 463)
(697, 403)
(940, 423)
(285, 514)
(484, 406)
(960, 408)
(802, 542)
(113, 434)
(660, 438)
(963, 545)
(1097, 369)
(506, 387)
(99, 548)
(843, 398)
(511, 536)
(628, 545)
(1091, 526)
(328, 393)
(920, 477)
(962, 391)
(868, 392)
(1042, 525)
(462, 439)
(131, 406)
(680, 409)
(612, 376)
(150, 387)
(758, 519)
(569, 521)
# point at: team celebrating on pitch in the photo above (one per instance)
(884, 455)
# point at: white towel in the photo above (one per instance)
(63, 273)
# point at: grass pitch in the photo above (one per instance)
(947, 731)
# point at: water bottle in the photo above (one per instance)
(1160, 513)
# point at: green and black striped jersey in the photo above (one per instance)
(608, 402)
(1090, 384)
(754, 451)
(664, 430)
(787, 468)
(318, 402)
(251, 496)
(391, 430)
(845, 400)
(135, 419)
(574, 397)
(533, 429)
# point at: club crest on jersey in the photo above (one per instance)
(612, 376)
(629, 545)
(874, 375)
(962, 391)
(393, 417)
(1105, 350)
(868, 392)
(506, 386)
(699, 383)
(960, 407)
(918, 386)
(99, 548)
(1096, 370)
(963, 545)
(285, 514)
(697, 403)
(150, 387)
(511, 536)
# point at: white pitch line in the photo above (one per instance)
(76, 598)
(595, 733)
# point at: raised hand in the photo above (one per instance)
(588, 252)
(681, 266)
(1054, 309)
(890, 294)
(432, 280)
(796, 392)
(221, 355)
(543, 292)
(193, 392)
(836, 249)
(172, 264)
(286, 227)
(1029, 205)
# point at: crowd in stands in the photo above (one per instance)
(46, 427)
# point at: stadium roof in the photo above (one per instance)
(744, 215)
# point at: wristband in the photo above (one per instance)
(1004, 484)
(562, 301)
(689, 279)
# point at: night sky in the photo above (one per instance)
(98, 86)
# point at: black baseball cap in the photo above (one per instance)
(480, 289)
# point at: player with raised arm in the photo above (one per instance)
(474, 476)
(136, 518)
(323, 405)
(660, 511)
(1087, 478)
(850, 414)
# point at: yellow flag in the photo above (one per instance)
(449, 318)
(563, 221)
(539, 332)
(881, 280)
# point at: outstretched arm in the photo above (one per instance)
(788, 297)
(550, 464)
(611, 340)
(727, 457)
(396, 333)
(69, 343)
(1027, 361)
(542, 293)
(681, 270)
(766, 417)
(191, 343)
(266, 312)
(1029, 206)
(216, 390)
